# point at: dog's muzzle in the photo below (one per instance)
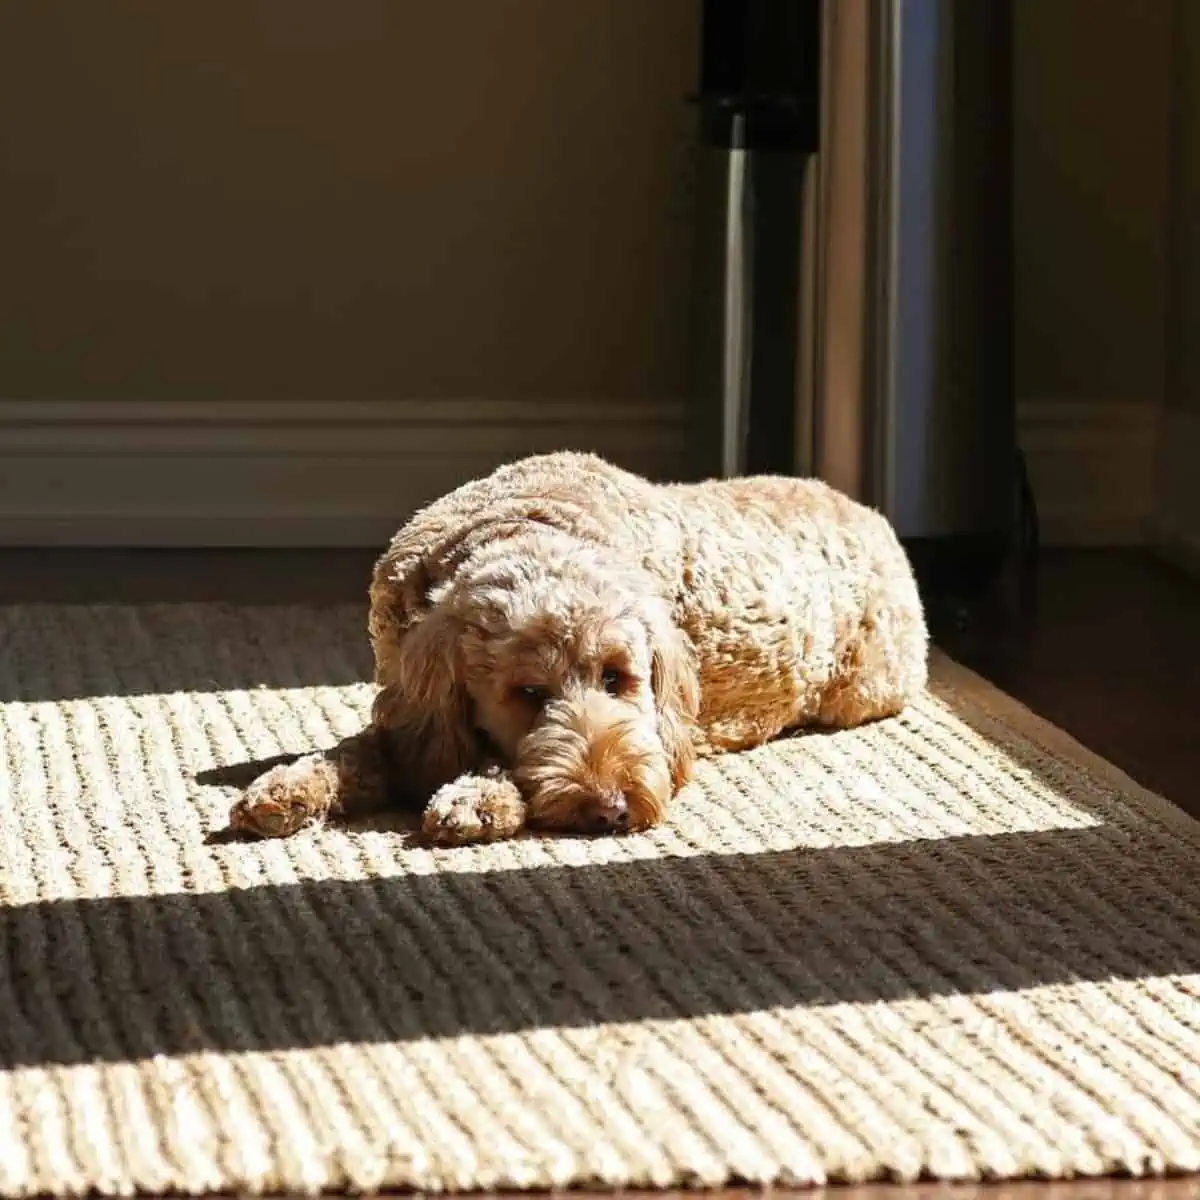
(607, 812)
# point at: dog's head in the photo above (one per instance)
(572, 670)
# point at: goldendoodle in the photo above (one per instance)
(557, 642)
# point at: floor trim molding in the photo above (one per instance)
(1174, 527)
(338, 473)
(345, 473)
(1092, 467)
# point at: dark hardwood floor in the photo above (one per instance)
(1111, 654)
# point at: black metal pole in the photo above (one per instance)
(758, 105)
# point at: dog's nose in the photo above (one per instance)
(609, 814)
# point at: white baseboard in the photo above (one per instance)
(141, 473)
(1175, 524)
(1092, 468)
(92, 473)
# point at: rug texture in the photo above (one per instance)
(953, 944)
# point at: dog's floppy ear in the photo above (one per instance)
(676, 685)
(422, 703)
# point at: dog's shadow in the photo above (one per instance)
(243, 774)
(394, 819)
(239, 776)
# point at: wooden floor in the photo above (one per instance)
(1111, 654)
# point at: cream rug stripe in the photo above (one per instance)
(955, 945)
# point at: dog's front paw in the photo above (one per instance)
(284, 800)
(474, 808)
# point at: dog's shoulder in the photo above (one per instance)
(566, 489)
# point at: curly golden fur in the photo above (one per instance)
(557, 642)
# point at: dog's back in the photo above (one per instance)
(801, 603)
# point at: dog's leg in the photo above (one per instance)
(883, 668)
(483, 807)
(349, 780)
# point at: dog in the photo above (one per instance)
(558, 642)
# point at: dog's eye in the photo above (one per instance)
(532, 693)
(614, 680)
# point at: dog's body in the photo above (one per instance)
(555, 644)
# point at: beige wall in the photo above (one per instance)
(1183, 390)
(398, 199)
(284, 198)
(386, 198)
(1091, 163)
(1091, 96)
(1176, 522)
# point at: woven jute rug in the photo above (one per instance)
(954, 945)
